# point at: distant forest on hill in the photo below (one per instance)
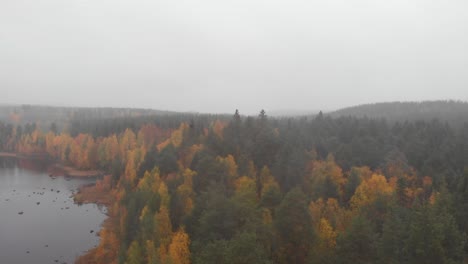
(453, 112)
(97, 120)
(89, 119)
(62, 116)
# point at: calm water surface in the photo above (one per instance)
(51, 228)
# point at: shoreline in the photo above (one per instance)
(102, 196)
(31, 156)
(58, 169)
(55, 169)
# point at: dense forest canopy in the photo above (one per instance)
(194, 188)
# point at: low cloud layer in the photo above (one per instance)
(216, 56)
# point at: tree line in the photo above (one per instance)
(265, 190)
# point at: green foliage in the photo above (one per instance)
(352, 183)
(167, 160)
(245, 249)
(241, 249)
(271, 198)
(433, 239)
(358, 243)
(135, 254)
(294, 229)
(395, 231)
(428, 234)
(211, 253)
(461, 200)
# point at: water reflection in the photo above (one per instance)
(39, 222)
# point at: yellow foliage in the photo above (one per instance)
(188, 155)
(175, 139)
(144, 212)
(140, 154)
(324, 248)
(433, 198)
(392, 182)
(144, 183)
(326, 234)
(130, 168)
(179, 248)
(178, 135)
(127, 142)
(152, 254)
(336, 216)
(185, 191)
(162, 252)
(244, 183)
(230, 164)
(267, 217)
(369, 189)
(108, 247)
(164, 193)
(267, 181)
(50, 146)
(319, 171)
(218, 128)
(188, 176)
(316, 209)
(163, 226)
(427, 181)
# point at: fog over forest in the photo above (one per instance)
(216, 56)
(233, 132)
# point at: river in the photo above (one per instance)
(39, 222)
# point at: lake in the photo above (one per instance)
(39, 222)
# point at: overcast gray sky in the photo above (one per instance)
(216, 55)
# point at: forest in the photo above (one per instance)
(192, 188)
